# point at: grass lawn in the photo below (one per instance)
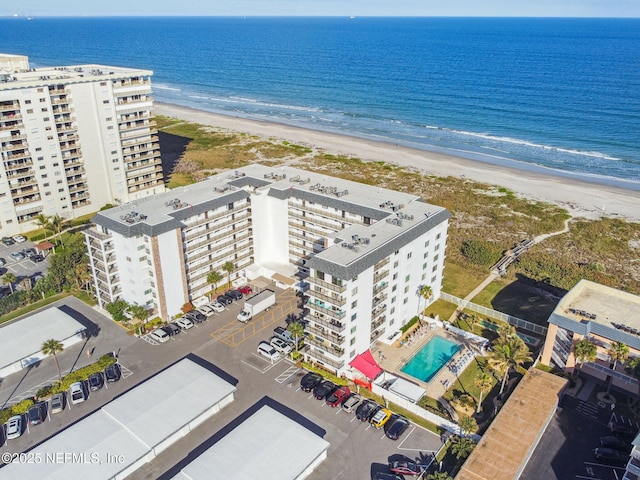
(460, 281)
(443, 309)
(518, 299)
(465, 384)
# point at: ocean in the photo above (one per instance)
(555, 95)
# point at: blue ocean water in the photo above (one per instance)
(558, 94)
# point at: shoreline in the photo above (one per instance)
(579, 197)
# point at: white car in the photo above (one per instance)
(199, 302)
(266, 350)
(217, 306)
(159, 335)
(282, 346)
(19, 238)
(206, 310)
(244, 316)
(77, 393)
(184, 323)
(14, 427)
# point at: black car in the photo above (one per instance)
(8, 241)
(234, 294)
(309, 381)
(395, 426)
(36, 258)
(171, 329)
(618, 443)
(195, 316)
(224, 299)
(622, 429)
(36, 413)
(324, 389)
(113, 373)
(366, 410)
(610, 455)
(96, 381)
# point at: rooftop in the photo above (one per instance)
(508, 443)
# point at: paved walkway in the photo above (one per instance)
(473, 293)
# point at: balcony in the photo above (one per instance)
(135, 157)
(212, 218)
(134, 125)
(311, 229)
(14, 145)
(330, 286)
(24, 172)
(378, 288)
(378, 300)
(135, 99)
(381, 264)
(380, 275)
(217, 248)
(378, 311)
(324, 360)
(332, 324)
(378, 322)
(325, 345)
(150, 139)
(239, 217)
(9, 106)
(319, 307)
(337, 300)
(316, 220)
(326, 334)
(376, 334)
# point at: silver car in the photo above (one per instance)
(57, 403)
(351, 403)
(78, 394)
(14, 427)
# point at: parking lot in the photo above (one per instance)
(25, 266)
(358, 450)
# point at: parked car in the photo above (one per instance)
(77, 393)
(2, 262)
(195, 316)
(618, 443)
(57, 402)
(622, 429)
(234, 294)
(113, 373)
(380, 418)
(171, 329)
(351, 403)
(37, 258)
(366, 410)
(309, 381)
(405, 468)
(387, 476)
(19, 239)
(8, 241)
(184, 323)
(396, 426)
(224, 299)
(159, 335)
(282, 346)
(96, 381)
(217, 306)
(200, 301)
(29, 252)
(338, 395)
(266, 350)
(610, 455)
(324, 389)
(36, 413)
(245, 290)
(14, 427)
(17, 256)
(206, 310)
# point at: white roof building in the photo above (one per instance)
(266, 445)
(22, 339)
(132, 429)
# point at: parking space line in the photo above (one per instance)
(287, 374)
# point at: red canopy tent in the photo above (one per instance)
(367, 365)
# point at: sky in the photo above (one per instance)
(491, 8)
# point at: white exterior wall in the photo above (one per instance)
(134, 274)
(269, 218)
(171, 268)
(364, 284)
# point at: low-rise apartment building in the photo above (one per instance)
(361, 253)
(73, 139)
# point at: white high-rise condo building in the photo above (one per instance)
(73, 139)
(361, 253)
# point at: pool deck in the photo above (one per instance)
(393, 357)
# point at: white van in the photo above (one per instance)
(266, 350)
(159, 335)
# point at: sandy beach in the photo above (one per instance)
(581, 199)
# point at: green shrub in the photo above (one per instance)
(481, 252)
(409, 324)
(37, 238)
(22, 407)
(45, 391)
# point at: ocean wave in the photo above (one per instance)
(166, 87)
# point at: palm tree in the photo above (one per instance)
(8, 279)
(467, 424)
(584, 351)
(462, 447)
(426, 292)
(632, 367)
(138, 312)
(42, 221)
(213, 278)
(509, 353)
(52, 347)
(297, 330)
(228, 267)
(438, 476)
(618, 352)
(57, 224)
(506, 331)
(483, 381)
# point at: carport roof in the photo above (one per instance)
(266, 445)
(23, 338)
(131, 426)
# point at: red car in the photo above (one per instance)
(245, 290)
(405, 468)
(338, 396)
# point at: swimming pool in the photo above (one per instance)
(431, 358)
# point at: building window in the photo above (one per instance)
(394, 288)
(60, 190)
(105, 102)
(407, 278)
(409, 255)
(354, 316)
(395, 276)
(424, 266)
(354, 291)
(426, 244)
(354, 304)
(353, 329)
(392, 311)
(29, 110)
(395, 264)
(424, 275)
(433, 279)
(425, 255)
(142, 259)
(393, 299)
(437, 247)
(353, 340)
(435, 258)
(406, 289)
(27, 102)
(141, 247)
(405, 301)
(438, 236)
(147, 292)
(128, 259)
(103, 84)
(435, 267)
